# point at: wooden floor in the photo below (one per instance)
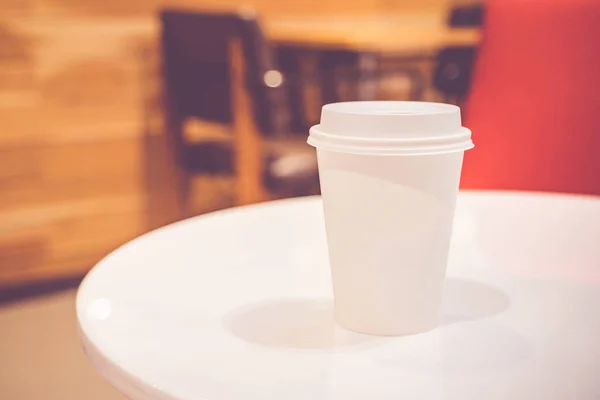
(40, 356)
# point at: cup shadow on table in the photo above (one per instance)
(466, 300)
(309, 324)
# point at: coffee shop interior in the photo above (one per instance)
(120, 116)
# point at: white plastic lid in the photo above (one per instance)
(390, 128)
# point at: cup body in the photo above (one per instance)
(388, 222)
(389, 175)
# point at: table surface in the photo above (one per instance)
(402, 34)
(237, 305)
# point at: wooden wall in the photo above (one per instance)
(71, 185)
(73, 84)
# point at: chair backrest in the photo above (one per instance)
(196, 68)
(467, 15)
(452, 75)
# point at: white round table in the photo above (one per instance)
(237, 305)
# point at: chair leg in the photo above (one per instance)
(327, 78)
(367, 70)
(290, 63)
(417, 85)
(168, 185)
(333, 74)
(248, 152)
(183, 194)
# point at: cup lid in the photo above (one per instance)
(390, 128)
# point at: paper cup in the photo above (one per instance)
(389, 175)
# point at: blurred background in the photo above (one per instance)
(120, 116)
(105, 105)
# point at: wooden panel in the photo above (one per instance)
(318, 8)
(97, 233)
(13, 46)
(273, 8)
(131, 8)
(414, 5)
(111, 74)
(267, 7)
(121, 8)
(15, 8)
(44, 175)
(65, 238)
(16, 76)
(19, 254)
(71, 120)
(77, 76)
(17, 79)
(24, 125)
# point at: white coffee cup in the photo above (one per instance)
(389, 174)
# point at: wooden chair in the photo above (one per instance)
(453, 73)
(218, 68)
